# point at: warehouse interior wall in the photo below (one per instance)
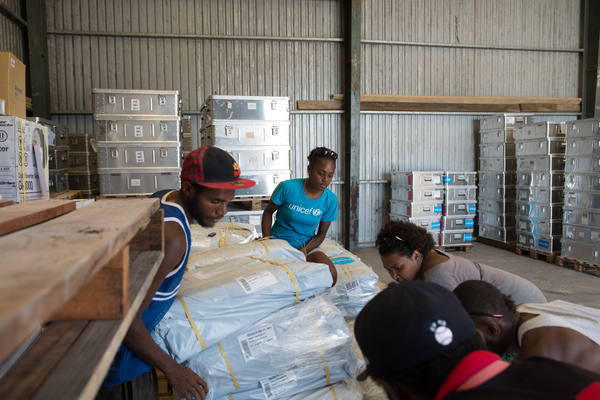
(294, 48)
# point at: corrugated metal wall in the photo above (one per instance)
(12, 36)
(294, 48)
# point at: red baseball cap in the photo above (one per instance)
(213, 168)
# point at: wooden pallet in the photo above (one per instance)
(536, 254)
(494, 243)
(577, 265)
(115, 196)
(463, 248)
(69, 195)
(252, 203)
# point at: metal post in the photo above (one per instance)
(38, 58)
(591, 15)
(352, 57)
(597, 107)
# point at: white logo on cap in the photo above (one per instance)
(443, 335)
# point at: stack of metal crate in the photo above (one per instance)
(540, 150)
(138, 135)
(497, 176)
(418, 197)
(581, 220)
(255, 131)
(83, 165)
(460, 207)
(58, 156)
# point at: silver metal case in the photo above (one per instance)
(496, 219)
(497, 192)
(457, 238)
(461, 193)
(539, 194)
(413, 193)
(58, 157)
(584, 234)
(540, 211)
(58, 182)
(81, 142)
(457, 223)
(541, 163)
(116, 128)
(247, 133)
(417, 178)
(540, 147)
(498, 206)
(541, 179)
(139, 154)
(549, 227)
(504, 235)
(136, 102)
(266, 182)
(502, 121)
(497, 150)
(460, 208)
(583, 146)
(82, 161)
(575, 181)
(457, 178)
(138, 182)
(582, 199)
(490, 178)
(576, 250)
(497, 164)
(497, 135)
(84, 181)
(416, 209)
(260, 158)
(540, 130)
(581, 216)
(219, 107)
(583, 128)
(583, 163)
(432, 224)
(539, 242)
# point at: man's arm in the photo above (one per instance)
(138, 339)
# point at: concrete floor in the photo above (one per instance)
(557, 283)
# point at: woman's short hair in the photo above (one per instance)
(404, 237)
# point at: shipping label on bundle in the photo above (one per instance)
(203, 242)
(277, 384)
(256, 281)
(253, 343)
(353, 289)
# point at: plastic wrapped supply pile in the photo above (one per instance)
(221, 298)
(302, 348)
(259, 248)
(222, 234)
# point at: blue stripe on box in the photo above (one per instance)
(447, 179)
(469, 223)
(437, 209)
(468, 237)
(435, 225)
(543, 243)
(472, 208)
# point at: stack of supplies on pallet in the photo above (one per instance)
(221, 234)
(256, 321)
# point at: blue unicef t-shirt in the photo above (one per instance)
(298, 216)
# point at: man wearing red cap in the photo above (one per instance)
(209, 177)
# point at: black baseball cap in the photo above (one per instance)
(213, 168)
(408, 324)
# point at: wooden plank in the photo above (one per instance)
(320, 105)
(105, 296)
(439, 107)
(71, 358)
(69, 195)
(45, 266)
(461, 99)
(6, 203)
(151, 237)
(30, 213)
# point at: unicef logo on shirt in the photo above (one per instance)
(317, 212)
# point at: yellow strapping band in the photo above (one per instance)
(230, 396)
(333, 392)
(346, 271)
(264, 245)
(23, 161)
(312, 318)
(191, 321)
(228, 366)
(286, 270)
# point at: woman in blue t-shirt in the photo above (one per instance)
(302, 206)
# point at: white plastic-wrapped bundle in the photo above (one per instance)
(339, 391)
(299, 348)
(356, 283)
(221, 298)
(258, 248)
(221, 234)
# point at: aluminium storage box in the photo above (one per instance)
(549, 227)
(498, 206)
(133, 128)
(539, 242)
(582, 199)
(540, 130)
(460, 208)
(504, 235)
(581, 216)
(583, 181)
(457, 238)
(58, 182)
(84, 181)
(83, 161)
(540, 147)
(136, 102)
(584, 234)
(500, 178)
(498, 192)
(459, 178)
(139, 154)
(583, 128)
(457, 223)
(503, 121)
(140, 181)
(576, 250)
(497, 150)
(540, 211)
(58, 157)
(416, 209)
(82, 142)
(583, 146)
(539, 194)
(497, 136)
(218, 107)
(461, 193)
(260, 158)
(545, 179)
(496, 219)
(418, 193)
(497, 164)
(22, 178)
(432, 224)
(541, 163)
(266, 182)
(247, 133)
(417, 178)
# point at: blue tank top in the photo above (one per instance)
(127, 365)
